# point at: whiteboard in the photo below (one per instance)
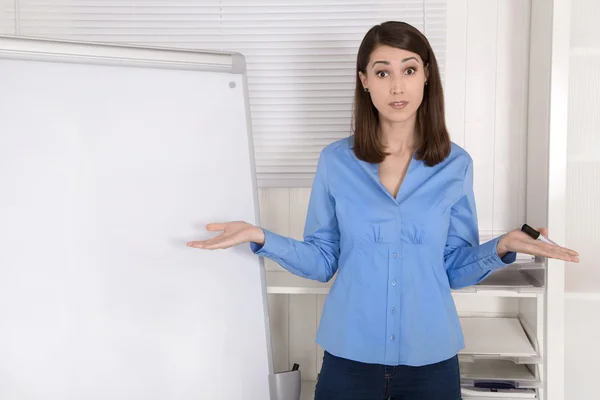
(111, 159)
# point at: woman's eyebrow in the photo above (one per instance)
(385, 62)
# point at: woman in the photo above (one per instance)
(392, 211)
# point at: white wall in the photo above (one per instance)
(582, 308)
(582, 347)
(583, 151)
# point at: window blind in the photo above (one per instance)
(300, 56)
(7, 17)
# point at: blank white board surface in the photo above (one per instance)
(111, 159)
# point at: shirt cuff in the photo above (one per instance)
(273, 242)
(490, 260)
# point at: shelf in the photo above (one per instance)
(507, 282)
(489, 370)
(283, 282)
(498, 371)
(527, 266)
(506, 394)
(496, 349)
(512, 281)
(496, 338)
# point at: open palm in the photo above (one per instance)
(520, 242)
(234, 233)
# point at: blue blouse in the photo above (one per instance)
(396, 258)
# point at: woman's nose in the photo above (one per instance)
(397, 86)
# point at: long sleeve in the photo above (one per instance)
(316, 257)
(467, 262)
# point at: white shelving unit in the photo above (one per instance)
(501, 346)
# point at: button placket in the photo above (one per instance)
(394, 271)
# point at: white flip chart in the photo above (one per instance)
(111, 159)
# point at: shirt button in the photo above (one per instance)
(394, 255)
(393, 310)
(393, 337)
(394, 283)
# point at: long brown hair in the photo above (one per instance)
(430, 124)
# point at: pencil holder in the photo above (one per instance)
(286, 385)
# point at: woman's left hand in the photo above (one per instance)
(520, 242)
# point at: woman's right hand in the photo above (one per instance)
(234, 233)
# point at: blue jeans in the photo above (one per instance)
(342, 379)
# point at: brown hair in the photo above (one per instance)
(430, 125)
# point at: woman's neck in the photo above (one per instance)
(398, 137)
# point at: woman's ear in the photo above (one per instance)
(363, 79)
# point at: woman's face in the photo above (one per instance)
(396, 80)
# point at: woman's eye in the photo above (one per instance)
(379, 74)
(411, 71)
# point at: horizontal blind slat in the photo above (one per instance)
(7, 17)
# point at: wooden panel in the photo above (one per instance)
(303, 330)
(482, 28)
(508, 183)
(275, 216)
(454, 85)
(299, 198)
(304, 309)
(320, 351)
(279, 318)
